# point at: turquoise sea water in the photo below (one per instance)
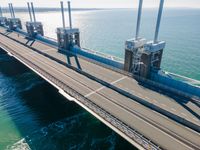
(32, 113)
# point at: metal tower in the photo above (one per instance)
(67, 37)
(13, 23)
(133, 47)
(33, 27)
(142, 57)
(153, 50)
(3, 20)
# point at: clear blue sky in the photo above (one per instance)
(106, 3)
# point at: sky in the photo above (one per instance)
(105, 3)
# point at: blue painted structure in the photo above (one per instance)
(167, 80)
(47, 40)
(98, 58)
(170, 81)
(83, 52)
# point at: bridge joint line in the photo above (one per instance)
(101, 88)
(183, 114)
(163, 105)
(195, 119)
(173, 109)
(48, 50)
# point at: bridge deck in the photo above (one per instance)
(161, 130)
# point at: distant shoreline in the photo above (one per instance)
(18, 9)
(43, 9)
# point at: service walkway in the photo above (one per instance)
(109, 95)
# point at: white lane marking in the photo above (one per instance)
(124, 77)
(195, 119)
(183, 114)
(29, 53)
(146, 98)
(112, 83)
(155, 101)
(33, 52)
(173, 109)
(163, 105)
(93, 92)
(47, 50)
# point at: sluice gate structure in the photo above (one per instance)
(130, 97)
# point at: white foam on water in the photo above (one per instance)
(64, 128)
(20, 145)
(31, 86)
(27, 81)
(45, 134)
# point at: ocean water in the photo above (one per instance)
(107, 30)
(32, 113)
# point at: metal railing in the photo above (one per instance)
(184, 79)
(103, 55)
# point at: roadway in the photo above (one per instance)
(163, 131)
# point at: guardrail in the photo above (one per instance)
(184, 88)
(103, 55)
(193, 82)
(99, 57)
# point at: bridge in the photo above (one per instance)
(97, 90)
(147, 116)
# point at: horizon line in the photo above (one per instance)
(23, 7)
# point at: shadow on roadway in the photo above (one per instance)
(180, 100)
